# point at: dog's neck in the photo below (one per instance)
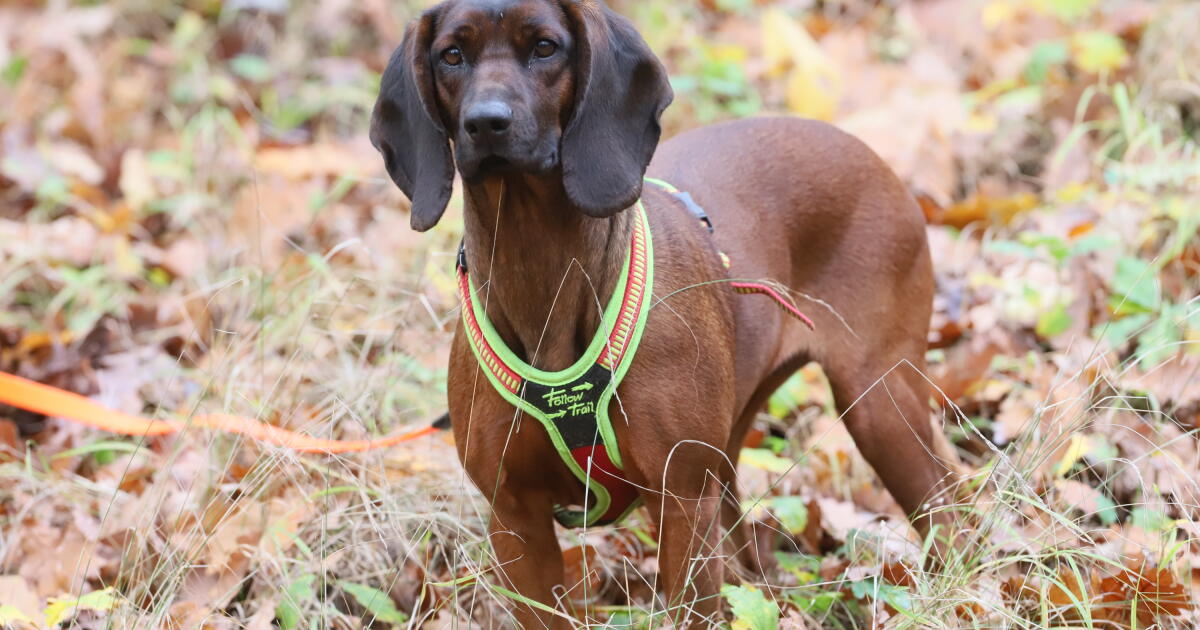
(544, 270)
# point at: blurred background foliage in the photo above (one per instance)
(191, 217)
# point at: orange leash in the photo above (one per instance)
(51, 401)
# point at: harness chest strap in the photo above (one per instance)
(572, 404)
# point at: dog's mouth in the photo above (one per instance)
(494, 164)
(497, 164)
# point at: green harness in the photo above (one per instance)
(572, 405)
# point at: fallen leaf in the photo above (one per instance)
(19, 597)
(316, 159)
(982, 208)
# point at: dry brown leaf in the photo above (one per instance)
(211, 589)
(185, 257)
(898, 573)
(1158, 592)
(1068, 592)
(1019, 588)
(58, 560)
(580, 587)
(967, 363)
(316, 160)
(16, 592)
(10, 436)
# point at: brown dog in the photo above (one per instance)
(552, 108)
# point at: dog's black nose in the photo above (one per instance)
(489, 119)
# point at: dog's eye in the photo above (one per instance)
(452, 56)
(544, 48)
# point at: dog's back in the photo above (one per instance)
(801, 202)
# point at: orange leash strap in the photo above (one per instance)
(51, 401)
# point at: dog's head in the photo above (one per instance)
(542, 87)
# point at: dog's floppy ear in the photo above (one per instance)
(407, 129)
(621, 89)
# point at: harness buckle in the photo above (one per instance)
(460, 263)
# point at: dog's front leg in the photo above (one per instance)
(684, 502)
(528, 558)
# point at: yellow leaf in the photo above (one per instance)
(813, 84)
(63, 608)
(998, 12)
(777, 29)
(1078, 447)
(35, 340)
(807, 96)
(1072, 192)
(765, 459)
(981, 123)
(729, 52)
(128, 264)
(136, 183)
(1098, 51)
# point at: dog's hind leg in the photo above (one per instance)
(884, 402)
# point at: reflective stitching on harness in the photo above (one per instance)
(487, 356)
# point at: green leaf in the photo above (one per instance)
(1045, 56)
(1160, 340)
(105, 449)
(789, 397)
(814, 603)
(1011, 248)
(188, 27)
(1135, 286)
(621, 619)
(1106, 510)
(775, 444)
(296, 593)
(13, 70)
(1150, 519)
(1056, 246)
(1092, 243)
(375, 601)
(252, 68)
(791, 511)
(806, 568)
(63, 608)
(896, 596)
(1122, 331)
(1054, 321)
(751, 609)
(1071, 9)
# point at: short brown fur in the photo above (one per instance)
(793, 201)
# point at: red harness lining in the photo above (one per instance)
(621, 492)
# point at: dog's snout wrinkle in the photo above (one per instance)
(488, 119)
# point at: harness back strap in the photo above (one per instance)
(572, 405)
